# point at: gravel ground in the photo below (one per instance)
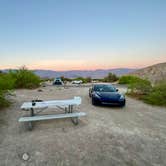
(131, 136)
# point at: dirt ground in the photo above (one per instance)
(108, 136)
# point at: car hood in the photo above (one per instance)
(108, 95)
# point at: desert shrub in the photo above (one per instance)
(141, 87)
(21, 78)
(143, 90)
(157, 96)
(6, 81)
(129, 79)
(136, 85)
(110, 78)
(25, 78)
(64, 79)
(88, 79)
(3, 101)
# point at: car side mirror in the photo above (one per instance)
(117, 90)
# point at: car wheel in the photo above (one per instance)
(93, 102)
(124, 103)
(90, 92)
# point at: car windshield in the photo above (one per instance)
(104, 88)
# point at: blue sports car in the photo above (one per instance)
(106, 94)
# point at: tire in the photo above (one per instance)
(93, 102)
(124, 104)
(90, 93)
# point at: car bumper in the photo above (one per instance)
(111, 102)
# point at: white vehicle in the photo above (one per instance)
(77, 82)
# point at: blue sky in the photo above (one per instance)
(82, 34)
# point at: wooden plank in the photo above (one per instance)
(48, 117)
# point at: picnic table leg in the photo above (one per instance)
(74, 119)
(30, 125)
(69, 109)
(65, 110)
(32, 112)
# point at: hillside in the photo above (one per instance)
(154, 73)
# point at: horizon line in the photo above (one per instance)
(74, 69)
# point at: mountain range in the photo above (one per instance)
(100, 73)
(154, 73)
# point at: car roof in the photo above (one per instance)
(93, 85)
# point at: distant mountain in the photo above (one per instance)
(100, 73)
(154, 73)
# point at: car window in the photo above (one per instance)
(104, 88)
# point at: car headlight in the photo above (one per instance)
(96, 95)
(121, 97)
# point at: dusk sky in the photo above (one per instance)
(82, 34)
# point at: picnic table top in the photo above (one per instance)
(51, 103)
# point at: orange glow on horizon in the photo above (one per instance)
(64, 65)
(76, 67)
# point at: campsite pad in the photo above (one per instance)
(134, 135)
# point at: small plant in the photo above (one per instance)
(3, 101)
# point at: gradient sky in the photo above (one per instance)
(82, 34)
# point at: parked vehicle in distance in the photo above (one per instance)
(77, 82)
(58, 81)
(106, 94)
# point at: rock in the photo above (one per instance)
(25, 156)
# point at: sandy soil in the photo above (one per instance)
(134, 135)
